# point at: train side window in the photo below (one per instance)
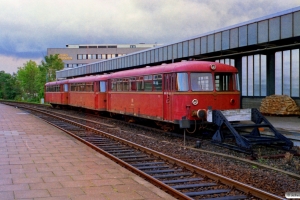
(148, 83)
(56, 88)
(182, 82)
(125, 84)
(102, 86)
(65, 87)
(113, 85)
(88, 87)
(140, 84)
(119, 85)
(81, 87)
(201, 82)
(132, 84)
(157, 82)
(72, 87)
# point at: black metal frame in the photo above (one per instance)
(245, 142)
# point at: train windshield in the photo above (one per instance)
(207, 81)
(182, 82)
(224, 82)
(201, 82)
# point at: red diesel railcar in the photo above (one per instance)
(172, 93)
(56, 92)
(89, 92)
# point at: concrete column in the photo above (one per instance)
(270, 73)
(238, 65)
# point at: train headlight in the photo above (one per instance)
(213, 67)
(201, 114)
(195, 102)
(232, 101)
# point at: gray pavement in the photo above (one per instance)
(288, 126)
(39, 161)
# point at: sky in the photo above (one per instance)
(29, 27)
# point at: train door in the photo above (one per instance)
(168, 96)
(65, 94)
(96, 95)
(108, 93)
(61, 94)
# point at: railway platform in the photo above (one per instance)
(288, 126)
(39, 161)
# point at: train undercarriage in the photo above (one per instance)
(238, 129)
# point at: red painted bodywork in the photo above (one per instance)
(95, 100)
(169, 106)
(59, 98)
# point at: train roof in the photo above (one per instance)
(186, 66)
(79, 80)
(57, 82)
(89, 79)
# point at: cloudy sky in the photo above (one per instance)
(29, 27)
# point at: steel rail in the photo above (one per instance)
(175, 193)
(219, 178)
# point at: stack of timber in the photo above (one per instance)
(279, 105)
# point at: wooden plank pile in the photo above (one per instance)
(279, 105)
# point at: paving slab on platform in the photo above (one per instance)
(288, 126)
(39, 161)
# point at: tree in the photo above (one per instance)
(9, 88)
(49, 67)
(48, 70)
(28, 77)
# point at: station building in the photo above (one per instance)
(265, 50)
(76, 55)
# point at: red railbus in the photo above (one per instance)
(171, 93)
(174, 92)
(56, 92)
(186, 94)
(89, 92)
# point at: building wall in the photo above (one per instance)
(77, 55)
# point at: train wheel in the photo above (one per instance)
(129, 119)
(165, 126)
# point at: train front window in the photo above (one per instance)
(201, 82)
(224, 82)
(182, 82)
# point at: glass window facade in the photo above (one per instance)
(254, 75)
(97, 56)
(226, 61)
(287, 73)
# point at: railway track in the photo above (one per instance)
(178, 178)
(258, 160)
